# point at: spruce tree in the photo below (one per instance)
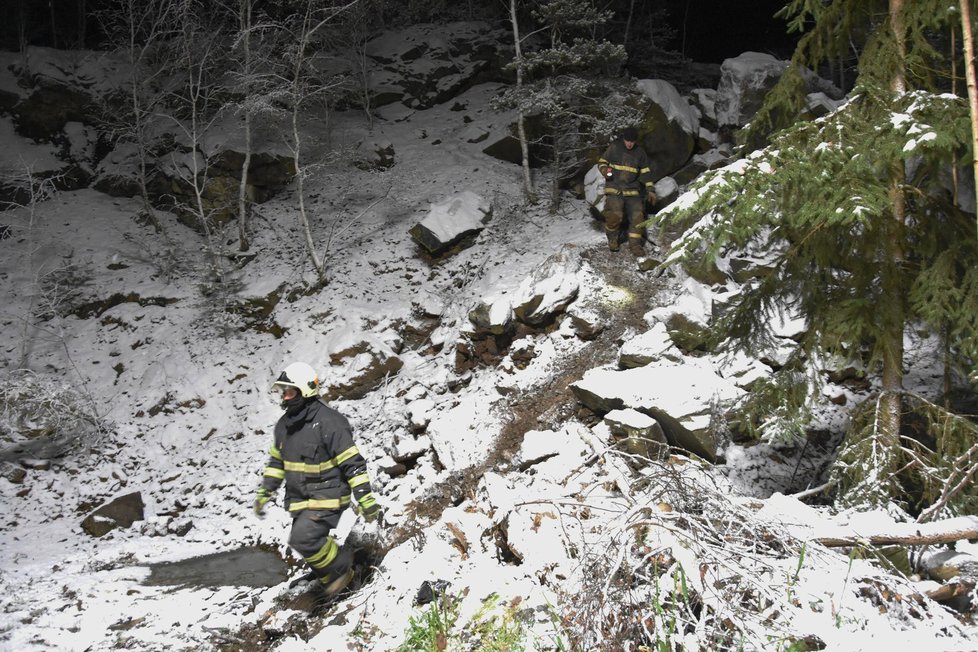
(870, 244)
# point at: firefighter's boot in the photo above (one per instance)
(613, 240)
(338, 584)
(635, 246)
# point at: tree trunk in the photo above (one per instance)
(298, 94)
(82, 24)
(521, 123)
(892, 311)
(628, 23)
(244, 16)
(969, 66)
(905, 534)
(54, 25)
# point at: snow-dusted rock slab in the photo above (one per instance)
(587, 321)
(743, 370)
(449, 222)
(491, 317)
(678, 396)
(538, 445)
(549, 289)
(463, 435)
(419, 412)
(650, 346)
(408, 447)
(358, 370)
(666, 190)
(688, 316)
(641, 433)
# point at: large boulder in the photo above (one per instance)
(682, 398)
(452, 222)
(668, 129)
(268, 173)
(120, 512)
(745, 80)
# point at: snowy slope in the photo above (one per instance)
(185, 391)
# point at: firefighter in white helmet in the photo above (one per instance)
(324, 473)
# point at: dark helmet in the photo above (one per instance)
(630, 133)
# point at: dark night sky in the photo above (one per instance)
(717, 29)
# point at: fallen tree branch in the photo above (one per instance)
(801, 495)
(905, 534)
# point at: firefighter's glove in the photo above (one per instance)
(372, 513)
(651, 198)
(263, 497)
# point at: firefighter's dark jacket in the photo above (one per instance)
(313, 451)
(631, 173)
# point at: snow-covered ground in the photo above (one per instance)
(185, 389)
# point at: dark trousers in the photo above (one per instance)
(310, 538)
(617, 207)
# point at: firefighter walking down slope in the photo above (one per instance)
(314, 453)
(625, 167)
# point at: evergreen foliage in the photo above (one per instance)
(826, 189)
(836, 28)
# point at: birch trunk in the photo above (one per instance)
(298, 94)
(244, 16)
(521, 122)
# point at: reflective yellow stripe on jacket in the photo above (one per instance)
(315, 469)
(274, 468)
(624, 168)
(608, 190)
(330, 503)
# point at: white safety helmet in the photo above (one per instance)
(301, 376)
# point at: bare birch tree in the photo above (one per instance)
(139, 31)
(521, 118)
(305, 85)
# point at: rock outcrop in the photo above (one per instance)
(452, 222)
(120, 512)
